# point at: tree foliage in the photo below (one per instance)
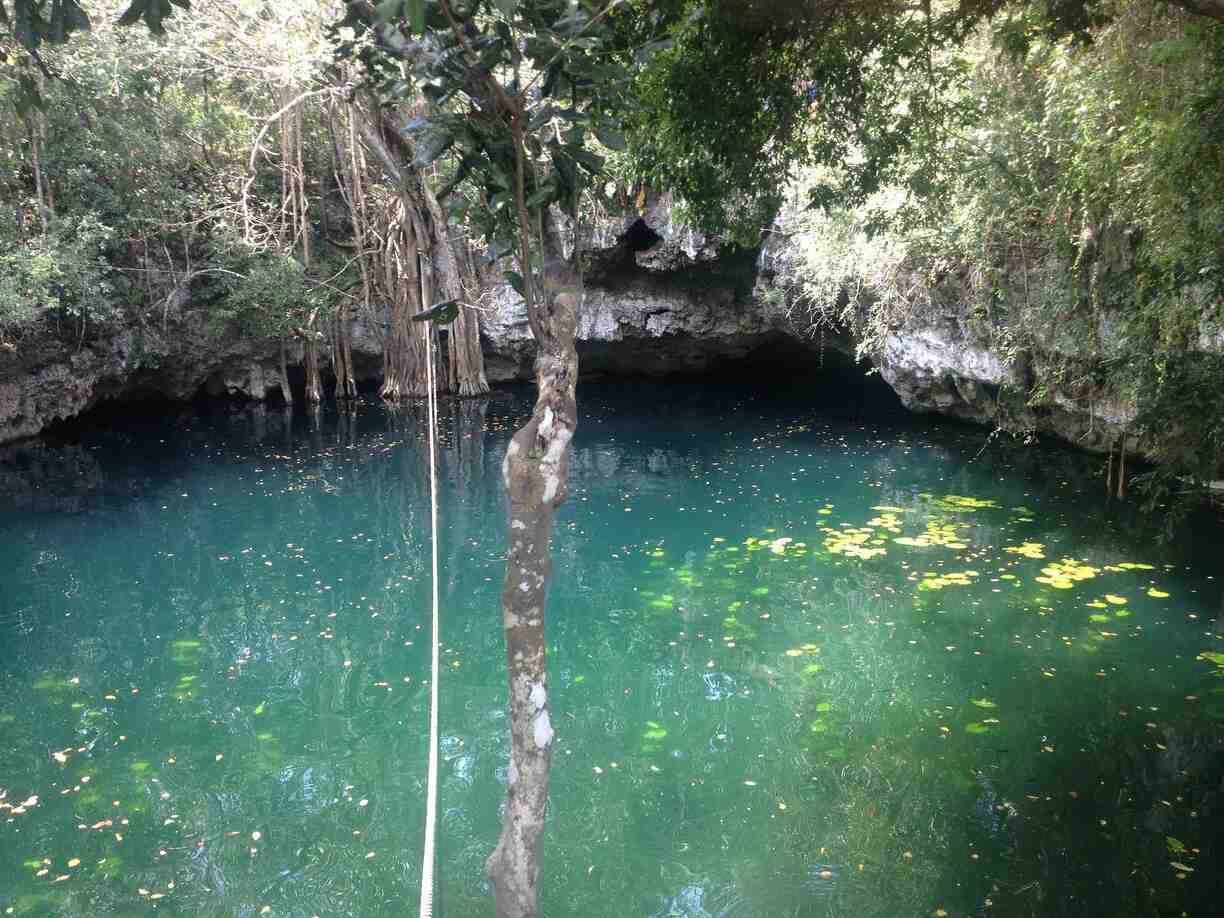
(1077, 211)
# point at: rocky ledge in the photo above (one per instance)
(661, 301)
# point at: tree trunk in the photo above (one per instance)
(404, 348)
(310, 360)
(465, 365)
(342, 356)
(536, 476)
(286, 392)
(41, 197)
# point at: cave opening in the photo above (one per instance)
(639, 237)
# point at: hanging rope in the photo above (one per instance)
(431, 797)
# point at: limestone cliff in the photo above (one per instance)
(661, 301)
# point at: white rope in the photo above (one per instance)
(431, 798)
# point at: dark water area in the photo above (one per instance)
(809, 656)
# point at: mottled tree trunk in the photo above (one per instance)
(465, 364)
(310, 360)
(342, 356)
(404, 357)
(536, 476)
(286, 392)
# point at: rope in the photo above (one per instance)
(431, 798)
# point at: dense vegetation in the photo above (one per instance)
(1074, 207)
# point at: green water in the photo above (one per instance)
(802, 665)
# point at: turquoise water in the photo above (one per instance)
(803, 664)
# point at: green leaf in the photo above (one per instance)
(541, 50)
(541, 196)
(507, 7)
(443, 313)
(515, 280)
(387, 11)
(416, 15)
(588, 160)
(650, 49)
(613, 140)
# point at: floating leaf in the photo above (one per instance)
(654, 731)
(1028, 549)
(956, 503)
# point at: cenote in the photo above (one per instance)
(802, 663)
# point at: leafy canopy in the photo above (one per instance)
(490, 83)
(33, 22)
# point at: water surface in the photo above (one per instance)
(803, 664)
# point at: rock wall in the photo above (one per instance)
(661, 301)
(42, 382)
